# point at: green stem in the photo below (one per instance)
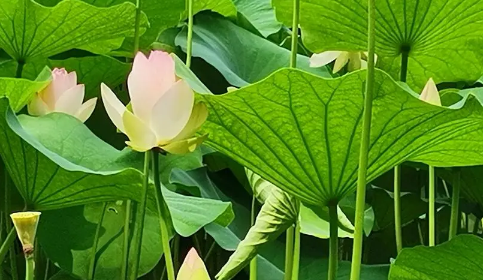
(397, 169)
(397, 207)
(210, 251)
(189, 47)
(432, 215)
(404, 65)
(140, 213)
(295, 28)
(92, 265)
(9, 227)
(476, 226)
(289, 246)
(137, 21)
(126, 235)
(164, 217)
(29, 267)
(253, 262)
(20, 65)
(364, 148)
(334, 242)
(47, 266)
(455, 202)
(7, 243)
(176, 240)
(296, 253)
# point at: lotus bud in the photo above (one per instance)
(193, 268)
(355, 60)
(26, 226)
(62, 95)
(430, 93)
(164, 114)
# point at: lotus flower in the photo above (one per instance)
(355, 60)
(163, 113)
(63, 95)
(193, 268)
(430, 93)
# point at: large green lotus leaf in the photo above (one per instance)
(72, 251)
(440, 34)
(29, 29)
(459, 258)
(241, 56)
(55, 162)
(20, 91)
(302, 132)
(260, 14)
(67, 237)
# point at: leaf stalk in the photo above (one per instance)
(364, 148)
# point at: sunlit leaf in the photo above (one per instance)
(302, 132)
(459, 258)
(29, 29)
(441, 35)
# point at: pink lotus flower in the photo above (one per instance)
(430, 93)
(63, 95)
(163, 111)
(193, 268)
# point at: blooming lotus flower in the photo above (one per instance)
(63, 95)
(356, 60)
(26, 226)
(193, 268)
(430, 93)
(163, 111)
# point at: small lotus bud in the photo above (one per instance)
(26, 225)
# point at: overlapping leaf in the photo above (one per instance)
(441, 35)
(20, 91)
(460, 258)
(302, 132)
(241, 56)
(28, 29)
(55, 168)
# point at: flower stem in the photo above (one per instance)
(137, 21)
(289, 253)
(140, 213)
(397, 207)
(397, 169)
(9, 227)
(432, 196)
(164, 217)
(295, 28)
(253, 262)
(455, 202)
(296, 253)
(7, 243)
(92, 265)
(334, 242)
(364, 148)
(189, 47)
(126, 235)
(29, 266)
